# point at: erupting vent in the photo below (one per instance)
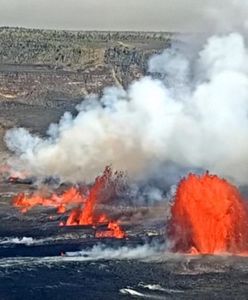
(85, 212)
(208, 216)
(87, 215)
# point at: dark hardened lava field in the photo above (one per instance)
(40, 260)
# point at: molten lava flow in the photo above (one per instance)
(208, 216)
(85, 213)
(114, 230)
(70, 196)
(88, 215)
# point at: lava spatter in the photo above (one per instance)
(88, 216)
(60, 201)
(85, 212)
(208, 216)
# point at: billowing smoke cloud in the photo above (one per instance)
(194, 116)
(221, 16)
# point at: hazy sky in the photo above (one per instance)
(175, 15)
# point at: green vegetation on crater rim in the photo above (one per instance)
(45, 72)
(74, 49)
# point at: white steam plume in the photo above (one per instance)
(100, 252)
(196, 116)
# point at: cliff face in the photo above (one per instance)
(37, 66)
(44, 72)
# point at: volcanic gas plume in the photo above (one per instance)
(85, 212)
(208, 216)
(190, 111)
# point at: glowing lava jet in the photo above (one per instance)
(88, 216)
(208, 217)
(85, 213)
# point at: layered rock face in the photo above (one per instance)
(45, 72)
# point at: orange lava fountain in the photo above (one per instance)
(208, 217)
(85, 213)
(88, 216)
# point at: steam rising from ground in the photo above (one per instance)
(194, 116)
(100, 252)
